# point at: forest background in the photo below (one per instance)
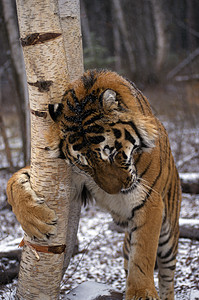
(154, 43)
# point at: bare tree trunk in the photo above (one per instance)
(124, 33)
(51, 40)
(117, 43)
(161, 39)
(19, 72)
(3, 129)
(86, 28)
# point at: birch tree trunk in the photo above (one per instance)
(51, 40)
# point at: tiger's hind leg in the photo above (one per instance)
(166, 258)
(168, 243)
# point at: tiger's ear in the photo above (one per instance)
(109, 99)
(55, 110)
(148, 133)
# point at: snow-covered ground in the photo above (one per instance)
(100, 258)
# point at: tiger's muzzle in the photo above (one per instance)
(111, 178)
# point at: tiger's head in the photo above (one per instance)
(102, 121)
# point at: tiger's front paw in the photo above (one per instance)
(144, 294)
(35, 217)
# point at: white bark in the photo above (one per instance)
(51, 40)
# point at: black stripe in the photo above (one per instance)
(149, 192)
(118, 145)
(27, 174)
(133, 126)
(95, 129)
(96, 139)
(78, 147)
(71, 107)
(129, 137)
(145, 170)
(125, 256)
(140, 268)
(72, 128)
(135, 209)
(166, 241)
(73, 138)
(61, 154)
(122, 224)
(165, 233)
(11, 190)
(124, 155)
(144, 100)
(117, 133)
(89, 79)
(178, 201)
(134, 86)
(93, 119)
(168, 253)
(171, 268)
(89, 98)
(76, 100)
(169, 172)
(126, 247)
(87, 113)
(138, 158)
(135, 228)
(166, 278)
(157, 177)
(73, 119)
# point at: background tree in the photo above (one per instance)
(51, 40)
(17, 65)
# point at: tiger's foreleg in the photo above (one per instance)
(35, 217)
(144, 230)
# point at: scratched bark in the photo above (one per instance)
(51, 38)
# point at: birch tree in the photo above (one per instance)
(51, 41)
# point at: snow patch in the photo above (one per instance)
(89, 290)
(10, 246)
(194, 295)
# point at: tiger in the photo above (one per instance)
(120, 155)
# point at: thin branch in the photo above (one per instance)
(183, 64)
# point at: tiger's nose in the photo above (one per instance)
(110, 178)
